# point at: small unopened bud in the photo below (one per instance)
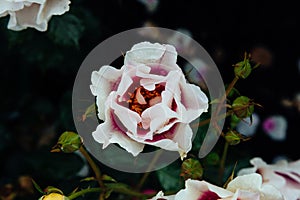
(242, 69)
(232, 138)
(54, 196)
(68, 142)
(191, 168)
(243, 107)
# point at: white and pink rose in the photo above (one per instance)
(147, 102)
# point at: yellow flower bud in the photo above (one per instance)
(53, 196)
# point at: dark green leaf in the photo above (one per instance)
(169, 177)
(66, 30)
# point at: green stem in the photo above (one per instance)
(149, 168)
(121, 190)
(223, 160)
(83, 192)
(231, 85)
(95, 168)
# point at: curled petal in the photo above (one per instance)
(108, 132)
(103, 82)
(148, 53)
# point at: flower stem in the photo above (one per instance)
(150, 166)
(83, 192)
(96, 170)
(93, 165)
(231, 85)
(222, 162)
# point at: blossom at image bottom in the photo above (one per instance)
(244, 187)
(283, 175)
(32, 13)
(147, 101)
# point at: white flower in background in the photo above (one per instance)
(283, 175)
(247, 128)
(151, 5)
(275, 127)
(31, 13)
(182, 41)
(247, 187)
(195, 72)
(147, 101)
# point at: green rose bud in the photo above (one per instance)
(242, 69)
(191, 168)
(232, 138)
(68, 142)
(243, 107)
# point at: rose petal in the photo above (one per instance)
(9, 6)
(194, 189)
(127, 117)
(194, 100)
(26, 17)
(156, 117)
(253, 182)
(180, 140)
(160, 196)
(103, 82)
(148, 53)
(52, 7)
(107, 133)
(245, 195)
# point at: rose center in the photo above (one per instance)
(141, 99)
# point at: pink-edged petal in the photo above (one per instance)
(26, 17)
(183, 136)
(128, 144)
(109, 132)
(103, 133)
(103, 82)
(52, 7)
(192, 191)
(127, 117)
(254, 182)
(246, 182)
(295, 167)
(125, 83)
(194, 100)
(221, 192)
(9, 6)
(160, 196)
(178, 140)
(149, 53)
(269, 192)
(195, 190)
(156, 117)
(245, 195)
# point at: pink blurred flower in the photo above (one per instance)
(275, 126)
(244, 187)
(32, 13)
(283, 175)
(147, 101)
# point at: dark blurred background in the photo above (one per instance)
(38, 70)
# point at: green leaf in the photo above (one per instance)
(169, 177)
(66, 30)
(37, 187)
(108, 178)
